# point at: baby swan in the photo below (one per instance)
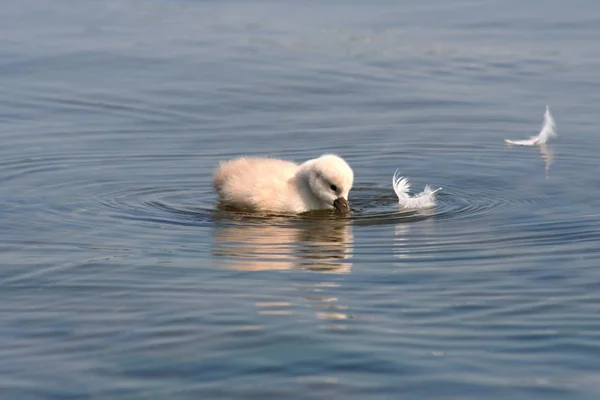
(271, 185)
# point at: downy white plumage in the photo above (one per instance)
(271, 185)
(548, 131)
(425, 199)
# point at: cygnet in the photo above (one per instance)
(278, 186)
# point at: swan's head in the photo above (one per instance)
(330, 179)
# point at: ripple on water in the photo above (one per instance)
(120, 273)
(182, 198)
(90, 191)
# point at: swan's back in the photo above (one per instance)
(254, 183)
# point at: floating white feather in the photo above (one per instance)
(548, 131)
(425, 199)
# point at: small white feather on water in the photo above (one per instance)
(425, 199)
(548, 131)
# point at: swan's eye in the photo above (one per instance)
(333, 187)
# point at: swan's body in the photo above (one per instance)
(548, 131)
(424, 199)
(272, 185)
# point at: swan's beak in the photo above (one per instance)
(341, 204)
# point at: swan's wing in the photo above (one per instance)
(401, 186)
(548, 131)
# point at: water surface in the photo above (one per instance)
(121, 279)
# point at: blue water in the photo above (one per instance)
(119, 278)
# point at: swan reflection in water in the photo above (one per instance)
(316, 244)
(324, 245)
(415, 235)
(547, 155)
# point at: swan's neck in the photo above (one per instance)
(301, 180)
